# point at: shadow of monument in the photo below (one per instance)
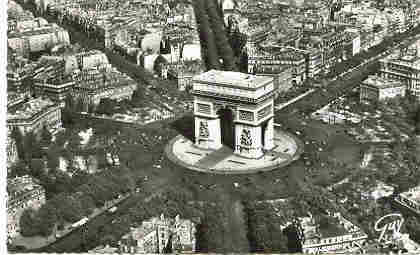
(185, 126)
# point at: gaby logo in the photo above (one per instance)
(389, 226)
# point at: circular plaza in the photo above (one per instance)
(182, 151)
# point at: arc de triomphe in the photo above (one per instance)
(234, 109)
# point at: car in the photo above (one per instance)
(113, 209)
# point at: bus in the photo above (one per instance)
(113, 209)
(80, 222)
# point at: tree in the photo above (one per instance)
(412, 226)
(67, 115)
(91, 108)
(80, 105)
(217, 25)
(243, 62)
(74, 142)
(106, 106)
(46, 137)
(53, 161)
(87, 203)
(18, 137)
(37, 168)
(138, 99)
(68, 207)
(207, 37)
(32, 147)
(47, 217)
(158, 64)
(263, 227)
(18, 169)
(62, 182)
(29, 223)
(417, 120)
(237, 42)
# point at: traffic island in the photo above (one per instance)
(183, 152)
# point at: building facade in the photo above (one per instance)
(335, 46)
(375, 89)
(20, 71)
(282, 75)
(313, 60)
(341, 236)
(161, 235)
(276, 62)
(183, 72)
(23, 192)
(11, 150)
(410, 199)
(37, 39)
(33, 115)
(403, 66)
(91, 85)
(14, 99)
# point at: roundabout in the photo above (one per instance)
(182, 151)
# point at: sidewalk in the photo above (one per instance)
(36, 242)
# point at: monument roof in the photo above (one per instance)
(234, 79)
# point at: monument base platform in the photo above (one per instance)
(287, 148)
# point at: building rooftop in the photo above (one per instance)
(409, 59)
(152, 224)
(235, 79)
(35, 31)
(104, 250)
(327, 226)
(29, 109)
(412, 194)
(187, 68)
(382, 83)
(275, 53)
(20, 185)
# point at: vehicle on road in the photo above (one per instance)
(113, 209)
(80, 222)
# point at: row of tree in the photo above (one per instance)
(207, 37)
(264, 232)
(214, 40)
(31, 145)
(417, 121)
(217, 25)
(237, 41)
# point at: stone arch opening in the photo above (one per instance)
(264, 126)
(227, 127)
